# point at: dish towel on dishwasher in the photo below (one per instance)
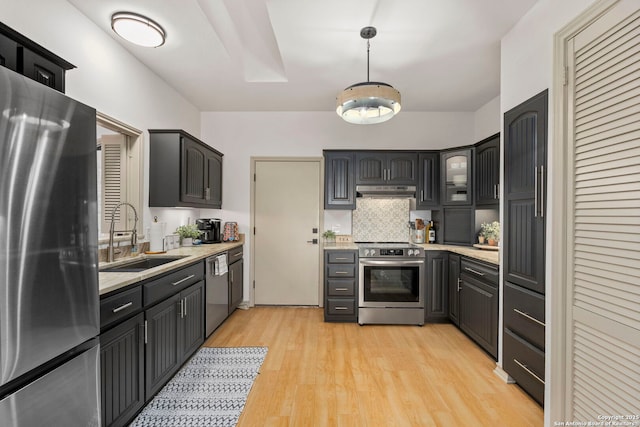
(221, 265)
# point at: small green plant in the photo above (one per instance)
(188, 231)
(490, 230)
(329, 234)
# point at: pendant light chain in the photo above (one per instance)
(368, 46)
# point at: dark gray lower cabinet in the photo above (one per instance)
(478, 315)
(236, 278)
(340, 286)
(175, 329)
(453, 282)
(122, 371)
(436, 296)
(162, 353)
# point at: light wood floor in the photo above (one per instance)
(336, 374)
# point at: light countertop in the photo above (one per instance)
(111, 281)
(492, 257)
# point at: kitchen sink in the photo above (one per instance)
(141, 264)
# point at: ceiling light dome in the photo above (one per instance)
(368, 102)
(138, 29)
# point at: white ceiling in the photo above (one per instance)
(296, 55)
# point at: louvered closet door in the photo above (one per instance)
(604, 216)
(114, 150)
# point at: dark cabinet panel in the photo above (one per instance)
(387, 168)
(213, 179)
(454, 287)
(183, 171)
(456, 178)
(162, 357)
(193, 172)
(487, 171)
(524, 314)
(339, 175)
(28, 58)
(428, 191)
(8, 53)
(340, 286)
(122, 371)
(458, 226)
(479, 313)
(436, 296)
(525, 364)
(235, 284)
(192, 319)
(525, 133)
(42, 70)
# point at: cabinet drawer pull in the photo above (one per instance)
(342, 259)
(533, 319)
(341, 272)
(341, 308)
(474, 271)
(183, 280)
(529, 371)
(122, 307)
(342, 289)
(238, 254)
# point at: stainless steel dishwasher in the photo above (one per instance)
(217, 292)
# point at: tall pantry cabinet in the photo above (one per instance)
(523, 239)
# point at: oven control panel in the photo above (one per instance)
(391, 252)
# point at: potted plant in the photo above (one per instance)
(187, 233)
(489, 231)
(329, 236)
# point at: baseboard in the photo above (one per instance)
(503, 375)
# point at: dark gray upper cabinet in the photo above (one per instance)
(428, 191)
(339, 180)
(525, 132)
(183, 171)
(487, 171)
(456, 178)
(387, 167)
(436, 296)
(28, 58)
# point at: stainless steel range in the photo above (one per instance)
(391, 284)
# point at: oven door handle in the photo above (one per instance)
(394, 262)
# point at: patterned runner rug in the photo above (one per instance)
(210, 390)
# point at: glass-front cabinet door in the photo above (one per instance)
(456, 177)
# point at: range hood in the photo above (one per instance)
(386, 191)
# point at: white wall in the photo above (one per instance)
(107, 77)
(241, 136)
(527, 69)
(486, 120)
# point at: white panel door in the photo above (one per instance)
(287, 209)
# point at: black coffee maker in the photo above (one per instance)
(210, 229)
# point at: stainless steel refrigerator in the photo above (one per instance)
(49, 303)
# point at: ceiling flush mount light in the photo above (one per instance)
(368, 102)
(137, 29)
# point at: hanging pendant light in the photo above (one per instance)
(368, 102)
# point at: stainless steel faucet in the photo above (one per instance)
(134, 232)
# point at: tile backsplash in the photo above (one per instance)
(381, 220)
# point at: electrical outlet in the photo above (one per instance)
(343, 238)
